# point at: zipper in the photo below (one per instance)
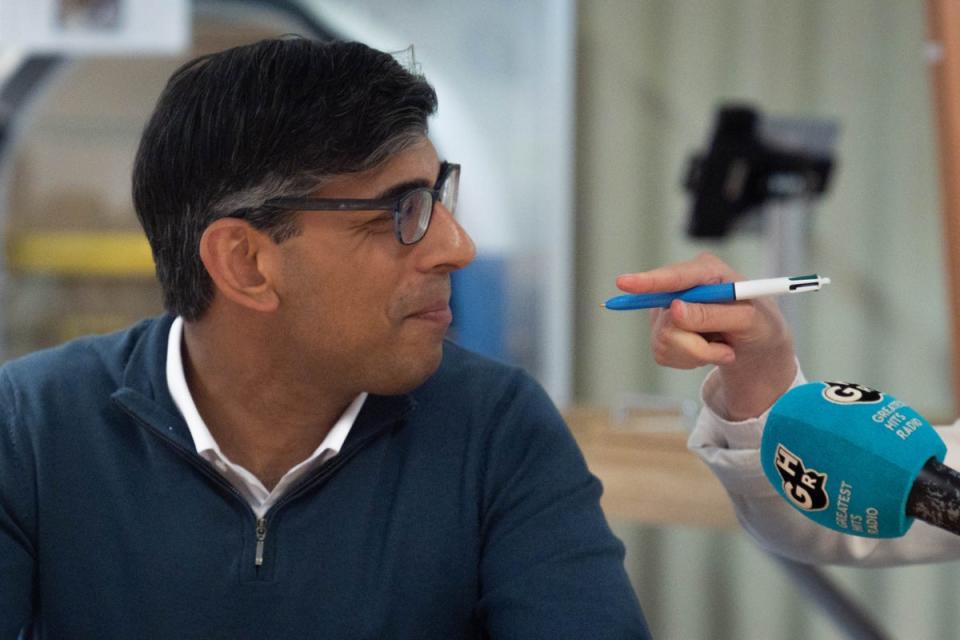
(199, 463)
(325, 470)
(194, 459)
(261, 536)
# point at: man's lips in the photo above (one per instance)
(439, 313)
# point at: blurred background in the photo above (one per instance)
(575, 123)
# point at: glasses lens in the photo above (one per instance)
(414, 215)
(449, 190)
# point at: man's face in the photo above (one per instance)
(359, 308)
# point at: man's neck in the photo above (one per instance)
(265, 414)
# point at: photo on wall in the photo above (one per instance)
(96, 27)
(89, 15)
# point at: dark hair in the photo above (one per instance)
(278, 117)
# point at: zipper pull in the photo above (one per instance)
(261, 536)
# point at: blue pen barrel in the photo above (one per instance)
(709, 293)
(702, 294)
(643, 300)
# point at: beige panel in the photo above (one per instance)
(943, 17)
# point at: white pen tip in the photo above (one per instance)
(824, 280)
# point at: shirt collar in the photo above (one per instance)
(180, 392)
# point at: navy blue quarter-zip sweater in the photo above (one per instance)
(462, 510)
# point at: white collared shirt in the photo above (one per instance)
(249, 486)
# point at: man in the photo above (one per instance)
(752, 349)
(294, 450)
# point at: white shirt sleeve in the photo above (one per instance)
(732, 451)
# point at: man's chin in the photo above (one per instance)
(407, 373)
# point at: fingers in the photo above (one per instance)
(706, 268)
(749, 340)
(688, 335)
(729, 318)
(681, 349)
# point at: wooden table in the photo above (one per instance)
(648, 474)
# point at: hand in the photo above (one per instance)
(748, 340)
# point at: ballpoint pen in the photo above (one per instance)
(724, 292)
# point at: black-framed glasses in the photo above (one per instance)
(412, 210)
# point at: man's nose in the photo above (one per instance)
(446, 245)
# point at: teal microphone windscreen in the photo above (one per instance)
(847, 457)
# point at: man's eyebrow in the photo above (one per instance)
(398, 190)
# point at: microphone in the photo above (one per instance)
(858, 461)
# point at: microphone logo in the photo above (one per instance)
(850, 393)
(806, 488)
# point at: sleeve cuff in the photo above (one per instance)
(715, 430)
(732, 448)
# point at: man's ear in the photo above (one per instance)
(241, 261)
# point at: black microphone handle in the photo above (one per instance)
(935, 496)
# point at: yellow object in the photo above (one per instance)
(117, 254)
